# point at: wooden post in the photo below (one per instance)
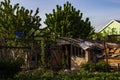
(86, 56)
(71, 51)
(66, 56)
(71, 54)
(78, 52)
(75, 51)
(106, 56)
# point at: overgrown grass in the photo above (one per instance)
(81, 75)
(44, 74)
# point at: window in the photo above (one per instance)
(78, 52)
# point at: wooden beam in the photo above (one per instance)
(13, 47)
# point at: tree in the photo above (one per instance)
(68, 22)
(17, 19)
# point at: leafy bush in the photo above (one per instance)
(72, 76)
(9, 67)
(89, 66)
(100, 66)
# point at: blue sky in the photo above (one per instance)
(100, 12)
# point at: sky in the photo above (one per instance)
(100, 12)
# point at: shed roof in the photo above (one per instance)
(84, 44)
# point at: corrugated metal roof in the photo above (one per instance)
(79, 42)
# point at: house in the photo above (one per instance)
(111, 31)
(71, 53)
(112, 27)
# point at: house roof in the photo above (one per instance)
(117, 21)
(109, 24)
(84, 44)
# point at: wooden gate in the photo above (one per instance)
(56, 57)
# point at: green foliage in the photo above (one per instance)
(99, 66)
(66, 21)
(71, 76)
(98, 36)
(102, 67)
(14, 18)
(43, 53)
(43, 71)
(106, 35)
(89, 66)
(10, 67)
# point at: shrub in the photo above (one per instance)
(89, 66)
(100, 66)
(72, 76)
(9, 67)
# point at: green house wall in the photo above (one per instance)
(112, 28)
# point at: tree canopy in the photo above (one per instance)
(14, 18)
(66, 21)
